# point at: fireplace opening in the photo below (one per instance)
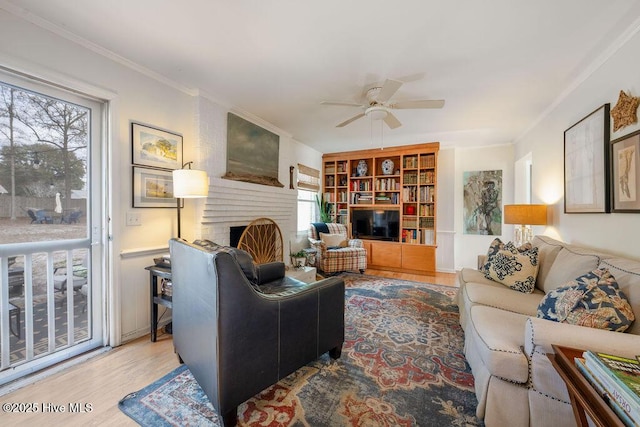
(235, 233)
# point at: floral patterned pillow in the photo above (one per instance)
(517, 270)
(592, 300)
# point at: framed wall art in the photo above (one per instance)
(252, 152)
(155, 147)
(152, 188)
(586, 164)
(625, 177)
(482, 209)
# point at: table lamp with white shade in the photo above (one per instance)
(189, 184)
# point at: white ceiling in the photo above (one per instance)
(499, 64)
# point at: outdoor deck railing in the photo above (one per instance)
(17, 316)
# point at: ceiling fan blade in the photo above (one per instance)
(352, 119)
(341, 103)
(424, 103)
(388, 89)
(392, 121)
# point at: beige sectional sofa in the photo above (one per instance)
(506, 345)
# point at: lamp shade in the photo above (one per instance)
(190, 184)
(525, 214)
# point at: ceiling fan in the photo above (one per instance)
(378, 106)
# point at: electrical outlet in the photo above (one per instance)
(133, 218)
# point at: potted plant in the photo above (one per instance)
(298, 259)
(323, 208)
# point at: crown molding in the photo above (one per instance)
(603, 57)
(66, 34)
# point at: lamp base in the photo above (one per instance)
(522, 234)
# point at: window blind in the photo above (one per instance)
(308, 178)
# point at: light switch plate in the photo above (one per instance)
(133, 218)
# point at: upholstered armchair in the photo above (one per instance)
(241, 327)
(335, 252)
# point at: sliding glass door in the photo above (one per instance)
(51, 244)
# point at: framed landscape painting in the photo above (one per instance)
(152, 188)
(155, 147)
(586, 164)
(625, 176)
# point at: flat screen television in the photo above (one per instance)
(375, 224)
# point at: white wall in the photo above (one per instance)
(445, 225)
(142, 97)
(616, 232)
(469, 246)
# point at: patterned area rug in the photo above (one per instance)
(402, 365)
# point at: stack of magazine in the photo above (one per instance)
(617, 380)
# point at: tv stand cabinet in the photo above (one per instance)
(365, 180)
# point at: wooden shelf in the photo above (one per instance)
(411, 183)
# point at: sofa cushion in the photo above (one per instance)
(499, 296)
(499, 338)
(593, 300)
(568, 265)
(548, 249)
(518, 271)
(334, 240)
(471, 275)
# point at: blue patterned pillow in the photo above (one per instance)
(592, 300)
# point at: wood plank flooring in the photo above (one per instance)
(105, 379)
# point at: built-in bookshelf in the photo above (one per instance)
(403, 179)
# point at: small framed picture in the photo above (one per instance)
(152, 188)
(625, 176)
(155, 147)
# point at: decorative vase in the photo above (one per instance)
(362, 168)
(387, 167)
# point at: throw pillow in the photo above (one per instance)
(515, 270)
(498, 245)
(334, 240)
(593, 299)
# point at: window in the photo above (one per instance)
(308, 187)
(306, 209)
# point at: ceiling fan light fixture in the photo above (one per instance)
(377, 113)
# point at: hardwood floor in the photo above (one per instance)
(448, 279)
(105, 379)
(101, 381)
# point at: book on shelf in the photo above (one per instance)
(600, 389)
(620, 377)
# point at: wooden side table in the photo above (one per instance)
(585, 400)
(157, 298)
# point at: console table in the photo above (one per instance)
(156, 298)
(585, 400)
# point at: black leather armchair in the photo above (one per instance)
(240, 328)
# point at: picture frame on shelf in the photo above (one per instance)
(155, 147)
(625, 176)
(153, 188)
(586, 164)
